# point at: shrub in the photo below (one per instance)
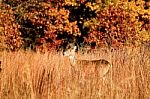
(9, 29)
(44, 25)
(113, 26)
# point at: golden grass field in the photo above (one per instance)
(30, 75)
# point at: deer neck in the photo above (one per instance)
(72, 60)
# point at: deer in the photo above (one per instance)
(101, 66)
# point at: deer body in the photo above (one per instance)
(101, 65)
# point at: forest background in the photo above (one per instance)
(53, 24)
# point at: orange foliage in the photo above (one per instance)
(52, 24)
(9, 28)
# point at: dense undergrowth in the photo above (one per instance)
(28, 75)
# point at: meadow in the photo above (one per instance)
(30, 75)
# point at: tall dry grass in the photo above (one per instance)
(29, 75)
